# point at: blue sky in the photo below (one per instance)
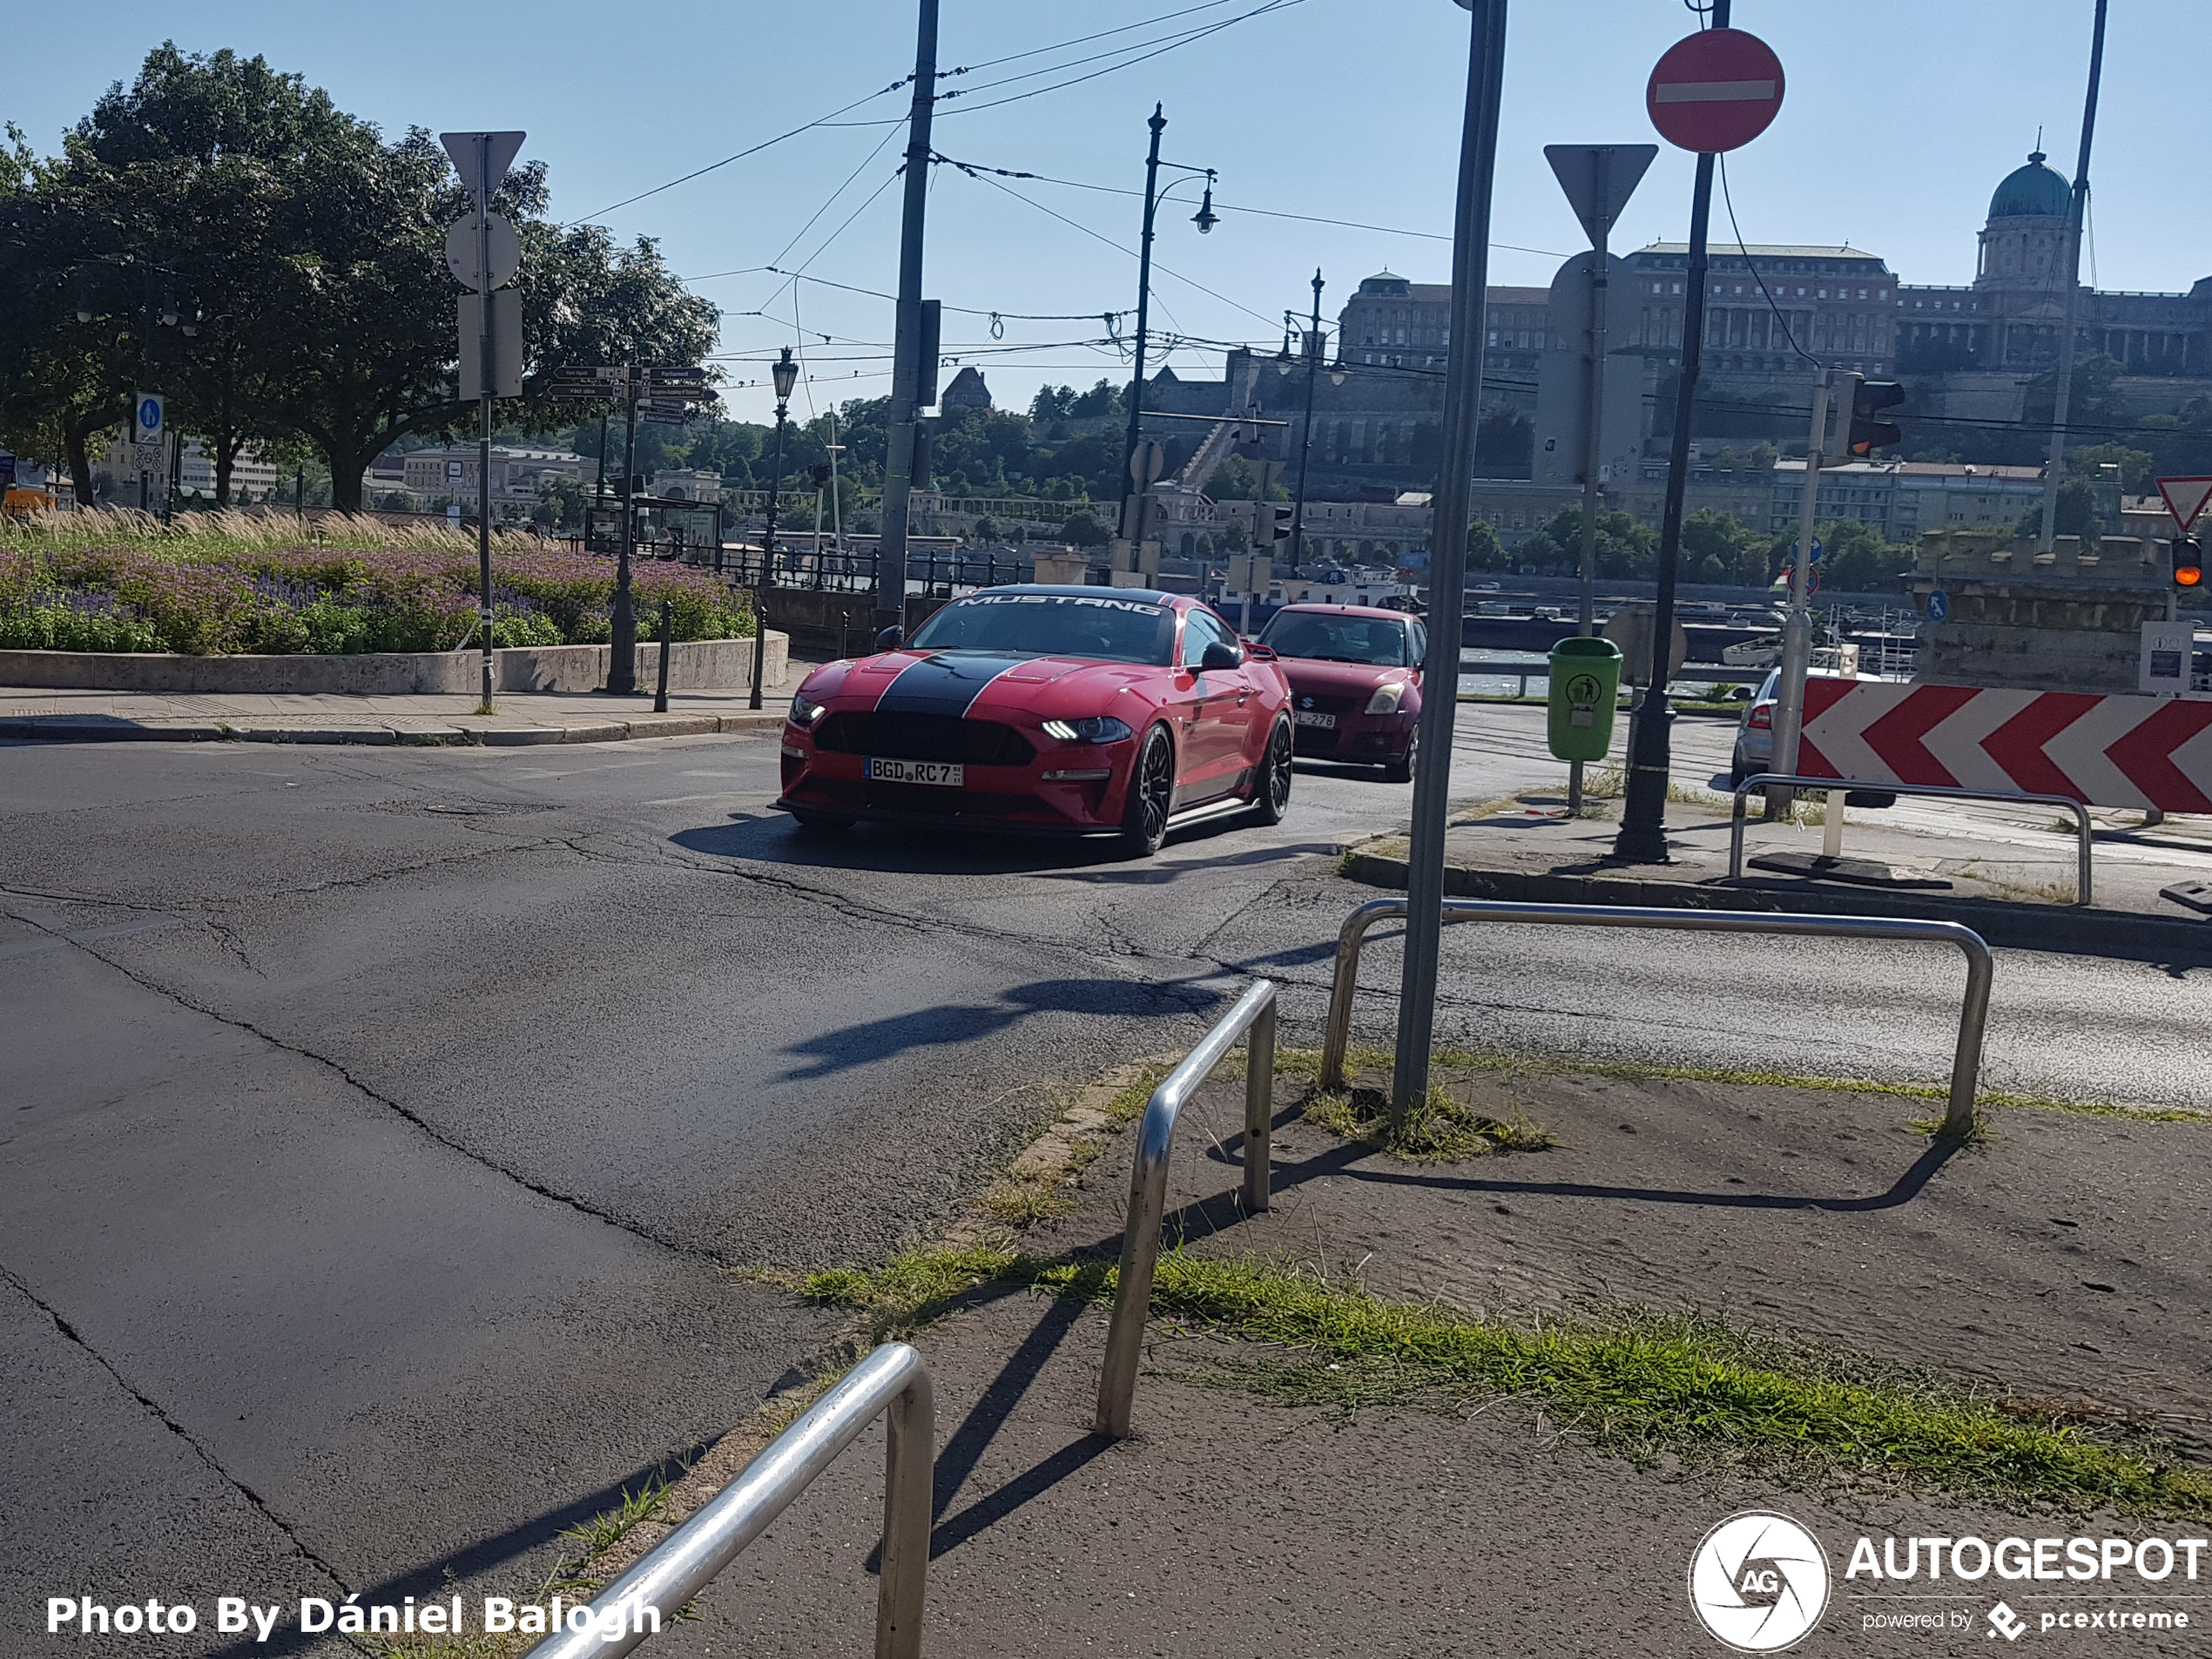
(1899, 121)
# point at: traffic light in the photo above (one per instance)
(1271, 524)
(1866, 434)
(2188, 562)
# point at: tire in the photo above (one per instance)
(814, 823)
(1399, 769)
(1150, 797)
(1271, 788)
(1737, 771)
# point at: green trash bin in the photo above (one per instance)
(1585, 691)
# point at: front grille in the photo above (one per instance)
(924, 737)
(1320, 704)
(1311, 740)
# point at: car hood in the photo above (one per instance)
(978, 683)
(1338, 679)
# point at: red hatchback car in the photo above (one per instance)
(1355, 675)
(1104, 711)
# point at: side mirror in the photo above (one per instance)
(1258, 652)
(1219, 656)
(891, 638)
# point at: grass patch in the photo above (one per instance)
(1445, 1130)
(1307, 1062)
(1631, 1382)
(2038, 892)
(595, 1537)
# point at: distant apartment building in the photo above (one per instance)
(519, 476)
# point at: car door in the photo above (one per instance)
(1213, 749)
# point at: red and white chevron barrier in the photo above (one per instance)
(2103, 751)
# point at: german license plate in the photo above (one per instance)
(917, 771)
(1309, 717)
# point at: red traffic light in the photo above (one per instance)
(1867, 434)
(2188, 562)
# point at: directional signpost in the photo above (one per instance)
(490, 317)
(1716, 90)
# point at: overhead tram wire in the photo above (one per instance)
(1788, 333)
(972, 168)
(831, 120)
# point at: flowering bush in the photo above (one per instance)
(218, 592)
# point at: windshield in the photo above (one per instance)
(1053, 624)
(1332, 639)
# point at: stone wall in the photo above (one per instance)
(694, 665)
(2069, 620)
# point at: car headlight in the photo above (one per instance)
(1092, 728)
(1387, 699)
(803, 710)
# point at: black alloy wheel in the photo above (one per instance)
(1271, 788)
(1150, 796)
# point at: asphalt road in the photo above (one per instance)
(382, 1125)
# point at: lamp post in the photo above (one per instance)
(786, 376)
(1305, 443)
(622, 654)
(1205, 218)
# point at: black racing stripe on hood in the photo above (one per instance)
(947, 683)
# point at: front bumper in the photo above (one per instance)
(1357, 739)
(1019, 800)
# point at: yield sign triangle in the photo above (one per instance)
(2185, 498)
(1599, 179)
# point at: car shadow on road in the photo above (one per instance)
(775, 838)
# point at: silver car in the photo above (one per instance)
(1755, 732)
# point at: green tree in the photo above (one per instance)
(1719, 546)
(2137, 467)
(1485, 551)
(1624, 547)
(1233, 480)
(1082, 530)
(1853, 558)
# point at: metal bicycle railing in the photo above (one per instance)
(1148, 1183)
(893, 1380)
(2084, 837)
(1973, 1015)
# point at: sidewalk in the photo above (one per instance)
(1254, 1515)
(2007, 872)
(521, 717)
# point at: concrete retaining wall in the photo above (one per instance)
(829, 624)
(695, 665)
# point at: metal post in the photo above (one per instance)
(622, 655)
(1447, 551)
(1259, 1110)
(667, 649)
(1797, 627)
(906, 359)
(1306, 444)
(1594, 443)
(485, 385)
(767, 558)
(1135, 494)
(2075, 207)
(1642, 837)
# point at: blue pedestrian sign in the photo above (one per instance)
(1938, 604)
(149, 418)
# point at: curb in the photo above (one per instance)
(2039, 927)
(74, 728)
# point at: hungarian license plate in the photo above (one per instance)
(917, 771)
(1309, 717)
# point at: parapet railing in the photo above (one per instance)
(1148, 1182)
(2084, 837)
(1973, 1015)
(892, 1379)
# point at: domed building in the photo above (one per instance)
(2011, 315)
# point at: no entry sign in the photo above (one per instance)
(1716, 90)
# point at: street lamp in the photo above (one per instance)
(1205, 218)
(1306, 444)
(786, 373)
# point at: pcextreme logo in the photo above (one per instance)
(1758, 1582)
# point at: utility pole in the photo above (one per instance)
(905, 361)
(1642, 837)
(1797, 626)
(1449, 556)
(485, 386)
(1306, 445)
(2076, 207)
(1133, 499)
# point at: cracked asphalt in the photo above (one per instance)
(382, 1126)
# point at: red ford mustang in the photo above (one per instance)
(1355, 674)
(1109, 711)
